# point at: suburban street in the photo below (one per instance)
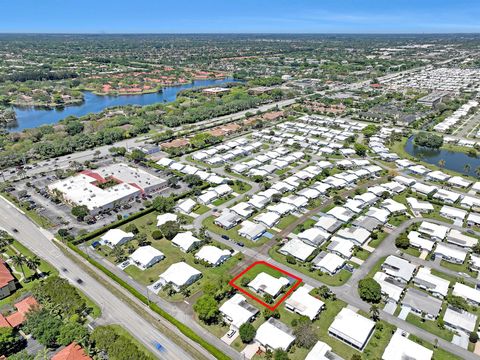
(114, 311)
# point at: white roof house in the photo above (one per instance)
(453, 213)
(329, 263)
(116, 237)
(163, 218)
(389, 288)
(179, 275)
(314, 236)
(273, 334)
(393, 206)
(298, 249)
(436, 232)
(185, 241)
(258, 201)
(251, 230)
(186, 206)
(146, 256)
(460, 320)
(368, 197)
(473, 219)
(281, 208)
(243, 209)
(237, 311)
(265, 283)
(303, 303)
(423, 188)
(459, 181)
(379, 214)
(419, 206)
(470, 202)
(328, 223)
(417, 241)
(352, 328)
(341, 213)
(358, 235)
(213, 255)
(341, 247)
(398, 268)
(401, 348)
(451, 253)
(207, 197)
(469, 293)
(435, 285)
(321, 351)
(268, 219)
(458, 238)
(446, 196)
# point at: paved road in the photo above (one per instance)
(113, 309)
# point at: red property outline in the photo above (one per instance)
(253, 297)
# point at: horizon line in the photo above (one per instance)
(239, 33)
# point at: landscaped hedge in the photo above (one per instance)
(185, 330)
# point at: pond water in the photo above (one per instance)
(32, 117)
(455, 161)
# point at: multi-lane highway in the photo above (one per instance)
(114, 310)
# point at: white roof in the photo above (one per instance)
(304, 303)
(185, 240)
(458, 238)
(393, 206)
(342, 246)
(268, 284)
(298, 249)
(179, 274)
(419, 242)
(341, 213)
(281, 208)
(330, 262)
(459, 181)
(357, 234)
(238, 310)
(144, 255)
(243, 209)
(319, 352)
(432, 282)
(379, 214)
(212, 254)
(270, 334)
(162, 219)
(398, 267)
(446, 195)
(418, 205)
(186, 205)
(401, 348)
(453, 212)
(423, 188)
(352, 327)
(314, 235)
(434, 230)
(451, 251)
(393, 291)
(466, 292)
(251, 230)
(115, 236)
(460, 319)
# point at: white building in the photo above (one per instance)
(116, 237)
(303, 303)
(458, 319)
(329, 263)
(435, 285)
(185, 241)
(265, 283)
(398, 268)
(107, 187)
(401, 348)
(453, 213)
(298, 249)
(273, 334)
(450, 253)
(180, 275)
(213, 255)
(237, 311)
(419, 206)
(251, 230)
(322, 351)
(436, 232)
(471, 294)
(352, 328)
(186, 206)
(390, 287)
(164, 218)
(460, 239)
(146, 256)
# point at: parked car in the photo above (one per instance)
(226, 237)
(231, 333)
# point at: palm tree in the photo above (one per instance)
(477, 171)
(466, 168)
(33, 263)
(441, 163)
(19, 260)
(374, 313)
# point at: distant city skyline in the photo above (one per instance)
(245, 16)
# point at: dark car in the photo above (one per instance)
(79, 281)
(239, 243)
(225, 237)
(15, 230)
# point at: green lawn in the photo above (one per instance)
(412, 251)
(309, 223)
(201, 209)
(222, 200)
(430, 326)
(286, 221)
(381, 235)
(240, 187)
(459, 267)
(362, 254)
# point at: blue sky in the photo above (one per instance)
(240, 16)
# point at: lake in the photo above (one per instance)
(455, 161)
(32, 117)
